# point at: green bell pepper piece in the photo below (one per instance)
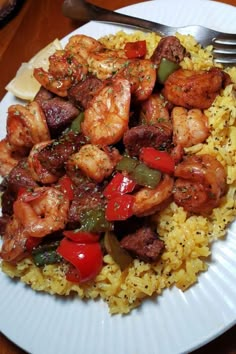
(127, 164)
(166, 68)
(94, 220)
(118, 254)
(146, 176)
(76, 124)
(46, 254)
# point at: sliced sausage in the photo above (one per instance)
(157, 136)
(143, 244)
(169, 48)
(54, 155)
(82, 93)
(59, 114)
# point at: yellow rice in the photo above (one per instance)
(187, 239)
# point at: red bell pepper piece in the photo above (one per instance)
(66, 187)
(28, 196)
(159, 160)
(119, 207)
(72, 274)
(120, 184)
(136, 49)
(81, 236)
(21, 190)
(87, 258)
(32, 242)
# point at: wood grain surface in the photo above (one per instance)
(38, 23)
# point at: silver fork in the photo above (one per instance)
(224, 44)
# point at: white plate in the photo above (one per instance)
(173, 323)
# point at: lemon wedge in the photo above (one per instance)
(24, 85)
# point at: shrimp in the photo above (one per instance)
(26, 125)
(14, 240)
(63, 63)
(52, 84)
(94, 162)
(36, 214)
(141, 74)
(107, 117)
(42, 211)
(189, 127)
(201, 182)
(147, 201)
(194, 89)
(82, 45)
(38, 172)
(8, 158)
(64, 71)
(154, 110)
(105, 64)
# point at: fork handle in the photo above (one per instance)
(122, 19)
(86, 11)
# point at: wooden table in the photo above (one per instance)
(38, 23)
